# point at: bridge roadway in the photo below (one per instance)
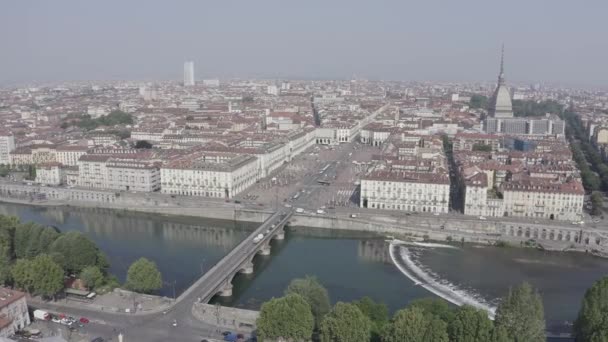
(217, 280)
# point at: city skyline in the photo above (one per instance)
(408, 42)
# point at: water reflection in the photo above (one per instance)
(182, 247)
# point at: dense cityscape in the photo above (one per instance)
(281, 200)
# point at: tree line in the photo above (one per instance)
(594, 177)
(38, 259)
(304, 313)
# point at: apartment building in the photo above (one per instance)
(69, 155)
(7, 145)
(407, 191)
(49, 174)
(209, 174)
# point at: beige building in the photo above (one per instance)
(49, 174)
(69, 155)
(406, 191)
(33, 155)
(13, 312)
(128, 172)
(209, 174)
(544, 199)
(7, 145)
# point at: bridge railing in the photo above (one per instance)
(222, 263)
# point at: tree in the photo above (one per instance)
(377, 313)
(32, 239)
(436, 307)
(78, 251)
(48, 276)
(592, 322)
(23, 275)
(521, 315)
(5, 271)
(91, 276)
(314, 293)
(345, 323)
(482, 148)
(414, 325)
(40, 275)
(288, 317)
(597, 201)
(499, 334)
(478, 101)
(470, 325)
(7, 251)
(144, 276)
(143, 144)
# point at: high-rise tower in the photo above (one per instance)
(500, 104)
(189, 73)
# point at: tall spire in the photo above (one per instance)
(501, 76)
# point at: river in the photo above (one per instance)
(351, 265)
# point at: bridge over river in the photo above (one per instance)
(218, 279)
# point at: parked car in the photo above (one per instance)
(84, 320)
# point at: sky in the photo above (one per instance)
(548, 41)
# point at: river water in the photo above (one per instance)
(351, 265)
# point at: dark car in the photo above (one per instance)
(97, 339)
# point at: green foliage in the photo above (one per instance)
(314, 293)
(22, 274)
(592, 322)
(482, 148)
(48, 276)
(523, 108)
(4, 171)
(377, 314)
(470, 325)
(32, 239)
(143, 276)
(521, 315)
(31, 173)
(143, 144)
(7, 253)
(288, 317)
(447, 144)
(78, 251)
(120, 133)
(40, 275)
(114, 118)
(584, 154)
(436, 307)
(499, 334)
(345, 323)
(414, 325)
(597, 202)
(92, 277)
(478, 101)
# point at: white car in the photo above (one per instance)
(482, 217)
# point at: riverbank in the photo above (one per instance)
(555, 237)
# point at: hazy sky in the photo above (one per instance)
(553, 41)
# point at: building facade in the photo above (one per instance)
(209, 174)
(7, 145)
(406, 191)
(13, 312)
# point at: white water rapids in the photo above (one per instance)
(431, 283)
